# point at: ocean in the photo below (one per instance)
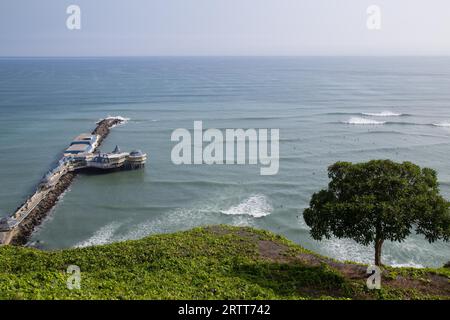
(327, 109)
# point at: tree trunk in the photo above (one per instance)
(378, 245)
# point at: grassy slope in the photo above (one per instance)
(217, 262)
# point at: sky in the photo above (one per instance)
(224, 28)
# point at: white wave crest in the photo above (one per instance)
(382, 114)
(123, 120)
(256, 206)
(442, 124)
(102, 236)
(410, 264)
(117, 118)
(172, 221)
(363, 121)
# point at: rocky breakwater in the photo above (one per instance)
(22, 233)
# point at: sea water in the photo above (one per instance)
(327, 109)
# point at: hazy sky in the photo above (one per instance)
(224, 27)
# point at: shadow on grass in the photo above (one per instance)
(295, 279)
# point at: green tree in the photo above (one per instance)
(379, 200)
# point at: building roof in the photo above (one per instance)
(84, 136)
(136, 153)
(81, 142)
(78, 148)
(100, 156)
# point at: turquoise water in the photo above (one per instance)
(327, 109)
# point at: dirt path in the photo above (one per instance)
(425, 283)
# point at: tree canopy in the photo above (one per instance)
(379, 200)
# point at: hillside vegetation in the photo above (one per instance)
(217, 262)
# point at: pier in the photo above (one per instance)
(79, 156)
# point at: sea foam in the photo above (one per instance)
(117, 117)
(103, 235)
(382, 114)
(123, 120)
(364, 121)
(442, 124)
(256, 206)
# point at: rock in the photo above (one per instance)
(26, 228)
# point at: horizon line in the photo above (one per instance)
(227, 56)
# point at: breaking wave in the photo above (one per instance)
(443, 124)
(123, 120)
(364, 121)
(382, 114)
(102, 236)
(256, 206)
(118, 118)
(410, 264)
(368, 114)
(242, 214)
